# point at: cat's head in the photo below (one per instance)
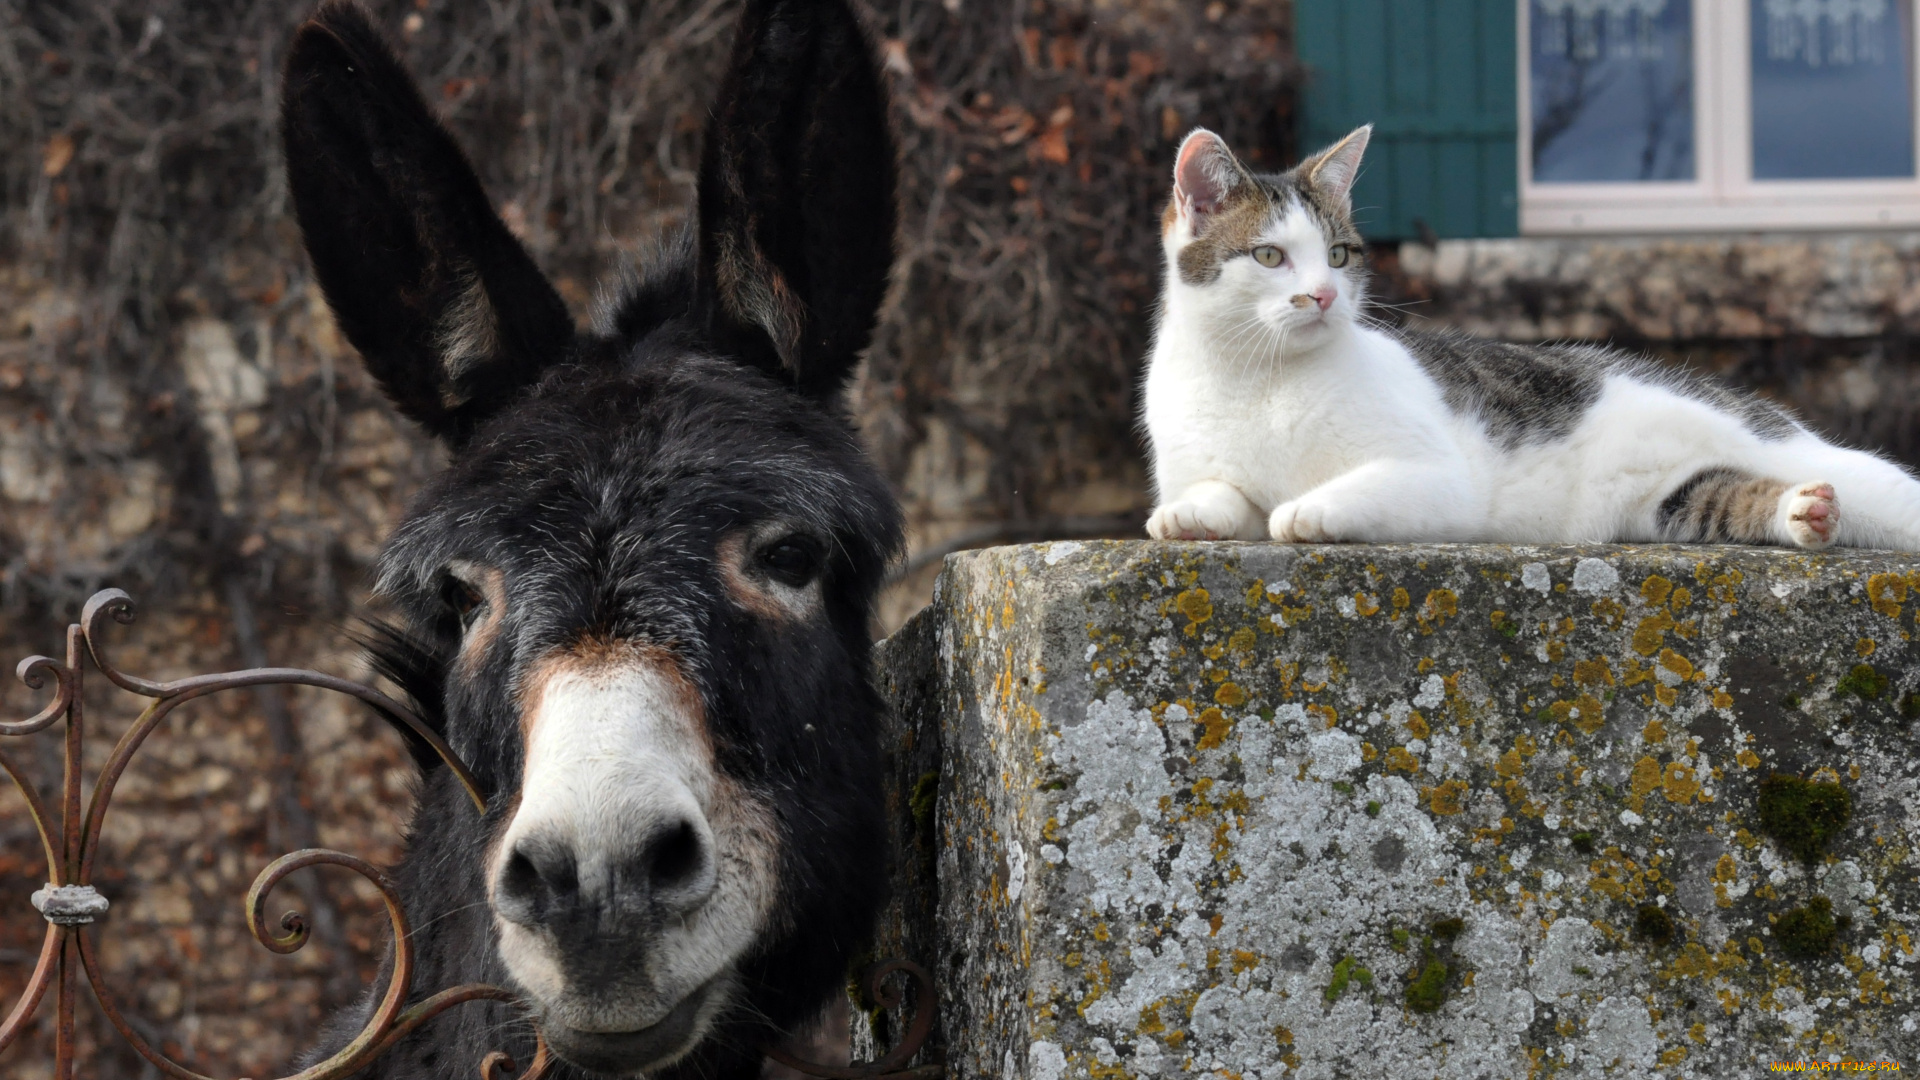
(1280, 249)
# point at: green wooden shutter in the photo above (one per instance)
(1436, 79)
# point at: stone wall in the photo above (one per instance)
(261, 481)
(1464, 811)
(1674, 288)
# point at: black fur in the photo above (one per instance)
(598, 473)
(418, 666)
(399, 230)
(784, 202)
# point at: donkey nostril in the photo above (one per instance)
(677, 866)
(536, 879)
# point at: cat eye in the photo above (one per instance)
(793, 561)
(1337, 256)
(1268, 255)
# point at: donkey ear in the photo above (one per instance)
(1334, 169)
(1204, 175)
(450, 313)
(796, 195)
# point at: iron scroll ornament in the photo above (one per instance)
(70, 903)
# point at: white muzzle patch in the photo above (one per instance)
(626, 841)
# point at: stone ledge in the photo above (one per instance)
(1670, 287)
(1216, 809)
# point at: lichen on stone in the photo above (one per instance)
(1257, 770)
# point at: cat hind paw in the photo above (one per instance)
(1810, 515)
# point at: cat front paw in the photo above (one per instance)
(1810, 513)
(1188, 520)
(1303, 522)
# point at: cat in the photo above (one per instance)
(1277, 408)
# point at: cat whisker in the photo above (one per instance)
(1239, 330)
(1250, 327)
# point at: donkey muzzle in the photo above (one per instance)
(631, 875)
(573, 887)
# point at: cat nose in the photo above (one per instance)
(1324, 296)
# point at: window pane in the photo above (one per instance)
(1832, 89)
(1612, 91)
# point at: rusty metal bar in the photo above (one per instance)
(70, 903)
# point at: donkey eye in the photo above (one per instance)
(793, 561)
(1337, 256)
(1268, 255)
(462, 599)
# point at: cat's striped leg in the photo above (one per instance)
(1728, 506)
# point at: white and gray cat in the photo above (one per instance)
(1277, 409)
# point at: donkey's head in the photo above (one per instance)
(638, 596)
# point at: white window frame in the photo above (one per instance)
(1723, 196)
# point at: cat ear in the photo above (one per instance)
(1334, 169)
(1204, 174)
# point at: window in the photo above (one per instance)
(1668, 115)
(1625, 116)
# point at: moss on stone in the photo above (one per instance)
(926, 791)
(1807, 932)
(1449, 928)
(1346, 972)
(1652, 923)
(1862, 682)
(1373, 808)
(1803, 815)
(1401, 939)
(1910, 707)
(1582, 842)
(1427, 990)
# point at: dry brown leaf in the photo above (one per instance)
(894, 51)
(58, 152)
(1015, 124)
(1053, 145)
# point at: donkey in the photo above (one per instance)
(636, 601)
